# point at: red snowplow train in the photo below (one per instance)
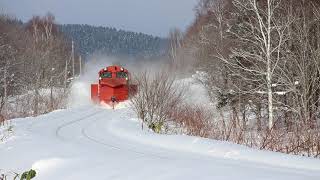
(113, 86)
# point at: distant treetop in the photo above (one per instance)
(106, 40)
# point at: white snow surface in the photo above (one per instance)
(92, 142)
(88, 142)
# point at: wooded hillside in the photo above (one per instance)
(113, 42)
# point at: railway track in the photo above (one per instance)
(86, 135)
(118, 147)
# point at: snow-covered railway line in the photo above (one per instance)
(58, 130)
(94, 143)
(111, 145)
(117, 147)
(102, 120)
(60, 117)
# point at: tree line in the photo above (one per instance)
(259, 61)
(35, 65)
(113, 42)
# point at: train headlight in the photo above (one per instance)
(127, 78)
(121, 68)
(100, 78)
(105, 69)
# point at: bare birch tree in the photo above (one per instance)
(259, 33)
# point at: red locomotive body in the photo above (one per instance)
(114, 85)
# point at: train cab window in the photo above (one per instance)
(106, 75)
(122, 75)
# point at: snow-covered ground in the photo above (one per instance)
(91, 142)
(88, 142)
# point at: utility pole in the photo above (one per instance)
(72, 57)
(65, 75)
(5, 82)
(80, 65)
(5, 88)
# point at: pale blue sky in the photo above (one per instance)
(148, 16)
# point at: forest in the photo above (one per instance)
(259, 61)
(35, 66)
(236, 90)
(113, 42)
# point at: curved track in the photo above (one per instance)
(69, 123)
(109, 143)
(96, 143)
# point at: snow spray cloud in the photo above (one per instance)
(80, 88)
